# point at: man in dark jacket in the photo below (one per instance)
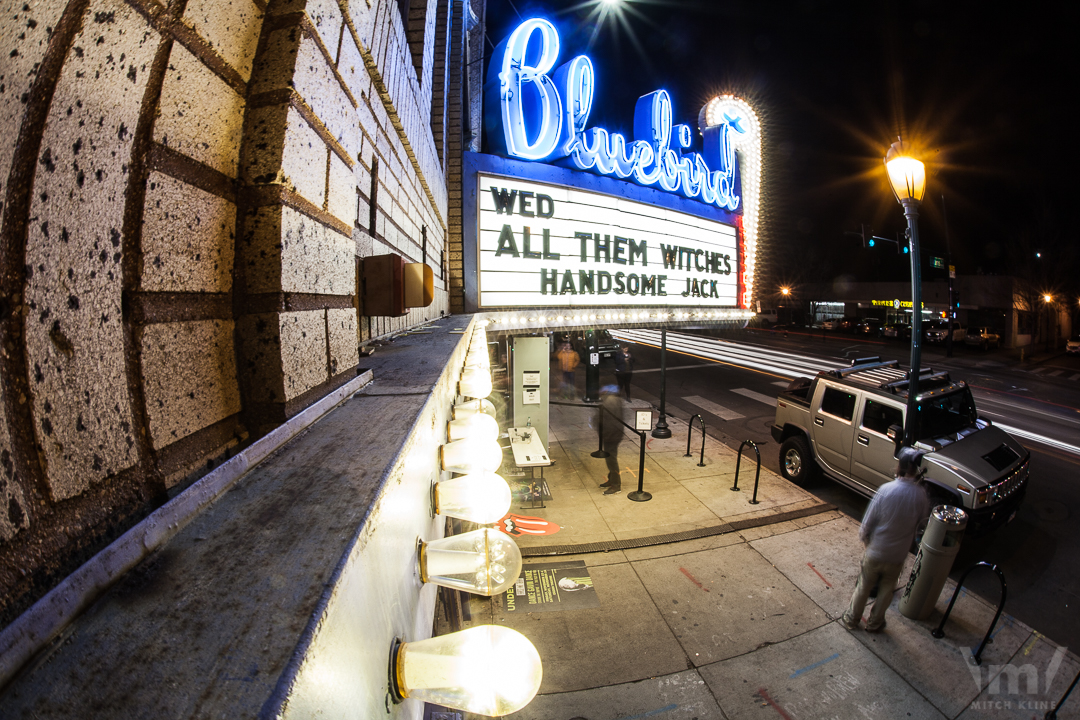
(611, 408)
(624, 369)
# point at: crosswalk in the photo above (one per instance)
(1047, 372)
(785, 364)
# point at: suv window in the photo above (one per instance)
(839, 403)
(877, 417)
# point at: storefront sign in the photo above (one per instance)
(536, 114)
(545, 245)
(894, 304)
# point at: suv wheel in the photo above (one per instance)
(796, 461)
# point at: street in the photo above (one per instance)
(732, 383)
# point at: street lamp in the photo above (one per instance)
(908, 179)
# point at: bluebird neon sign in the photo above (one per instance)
(539, 116)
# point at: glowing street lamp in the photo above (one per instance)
(907, 175)
(785, 291)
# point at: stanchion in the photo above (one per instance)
(939, 632)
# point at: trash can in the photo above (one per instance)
(940, 544)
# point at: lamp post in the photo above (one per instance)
(908, 179)
(1048, 304)
(662, 431)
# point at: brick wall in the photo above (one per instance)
(186, 188)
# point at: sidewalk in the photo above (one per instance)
(741, 621)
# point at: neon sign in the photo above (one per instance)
(534, 115)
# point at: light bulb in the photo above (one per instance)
(483, 562)
(487, 669)
(465, 456)
(479, 425)
(475, 382)
(479, 497)
(471, 407)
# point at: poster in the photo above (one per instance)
(551, 587)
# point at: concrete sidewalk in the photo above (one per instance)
(740, 620)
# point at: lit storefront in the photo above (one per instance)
(567, 225)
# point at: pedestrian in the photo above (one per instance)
(624, 369)
(568, 362)
(611, 410)
(888, 528)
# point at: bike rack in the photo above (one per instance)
(757, 475)
(939, 632)
(1052, 714)
(689, 433)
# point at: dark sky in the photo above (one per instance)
(980, 91)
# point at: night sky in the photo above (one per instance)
(980, 93)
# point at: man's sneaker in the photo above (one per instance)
(606, 484)
(613, 489)
(876, 628)
(849, 623)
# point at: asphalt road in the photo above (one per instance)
(1039, 552)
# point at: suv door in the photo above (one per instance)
(873, 454)
(831, 414)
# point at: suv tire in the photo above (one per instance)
(796, 461)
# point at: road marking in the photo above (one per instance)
(767, 399)
(709, 406)
(1036, 371)
(1055, 373)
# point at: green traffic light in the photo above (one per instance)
(871, 243)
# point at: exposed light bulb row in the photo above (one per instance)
(468, 669)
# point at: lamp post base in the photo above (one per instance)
(661, 431)
(639, 496)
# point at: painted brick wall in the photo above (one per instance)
(186, 188)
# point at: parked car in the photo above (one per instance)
(901, 331)
(830, 324)
(848, 422)
(1073, 346)
(939, 331)
(983, 337)
(848, 324)
(869, 326)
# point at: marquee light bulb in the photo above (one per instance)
(475, 382)
(487, 669)
(483, 562)
(471, 407)
(480, 497)
(479, 425)
(471, 455)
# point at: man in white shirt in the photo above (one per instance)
(888, 527)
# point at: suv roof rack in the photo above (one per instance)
(941, 377)
(863, 364)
